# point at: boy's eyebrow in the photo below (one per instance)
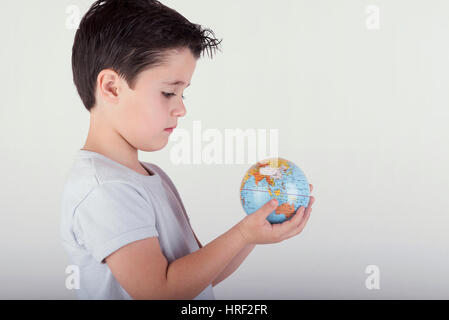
(175, 83)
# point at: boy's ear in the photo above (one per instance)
(108, 85)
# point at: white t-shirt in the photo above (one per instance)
(106, 205)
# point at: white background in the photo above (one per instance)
(362, 112)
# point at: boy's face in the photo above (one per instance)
(141, 115)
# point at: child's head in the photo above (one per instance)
(126, 56)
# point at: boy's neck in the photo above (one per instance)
(138, 168)
(105, 141)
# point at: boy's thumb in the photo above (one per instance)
(267, 208)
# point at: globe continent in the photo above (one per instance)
(275, 178)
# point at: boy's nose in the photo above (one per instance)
(180, 110)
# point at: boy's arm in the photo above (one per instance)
(144, 272)
(233, 265)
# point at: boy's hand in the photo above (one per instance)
(256, 229)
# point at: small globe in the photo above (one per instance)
(275, 178)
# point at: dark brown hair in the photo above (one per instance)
(130, 36)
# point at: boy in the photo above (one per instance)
(123, 222)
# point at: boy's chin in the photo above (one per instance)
(154, 147)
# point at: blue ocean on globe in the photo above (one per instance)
(275, 178)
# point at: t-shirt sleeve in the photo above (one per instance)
(112, 215)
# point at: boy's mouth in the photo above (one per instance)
(170, 129)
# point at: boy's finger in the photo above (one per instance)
(299, 215)
(289, 225)
(311, 201)
(303, 222)
(299, 221)
(301, 226)
(267, 208)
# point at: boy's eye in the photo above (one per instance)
(170, 94)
